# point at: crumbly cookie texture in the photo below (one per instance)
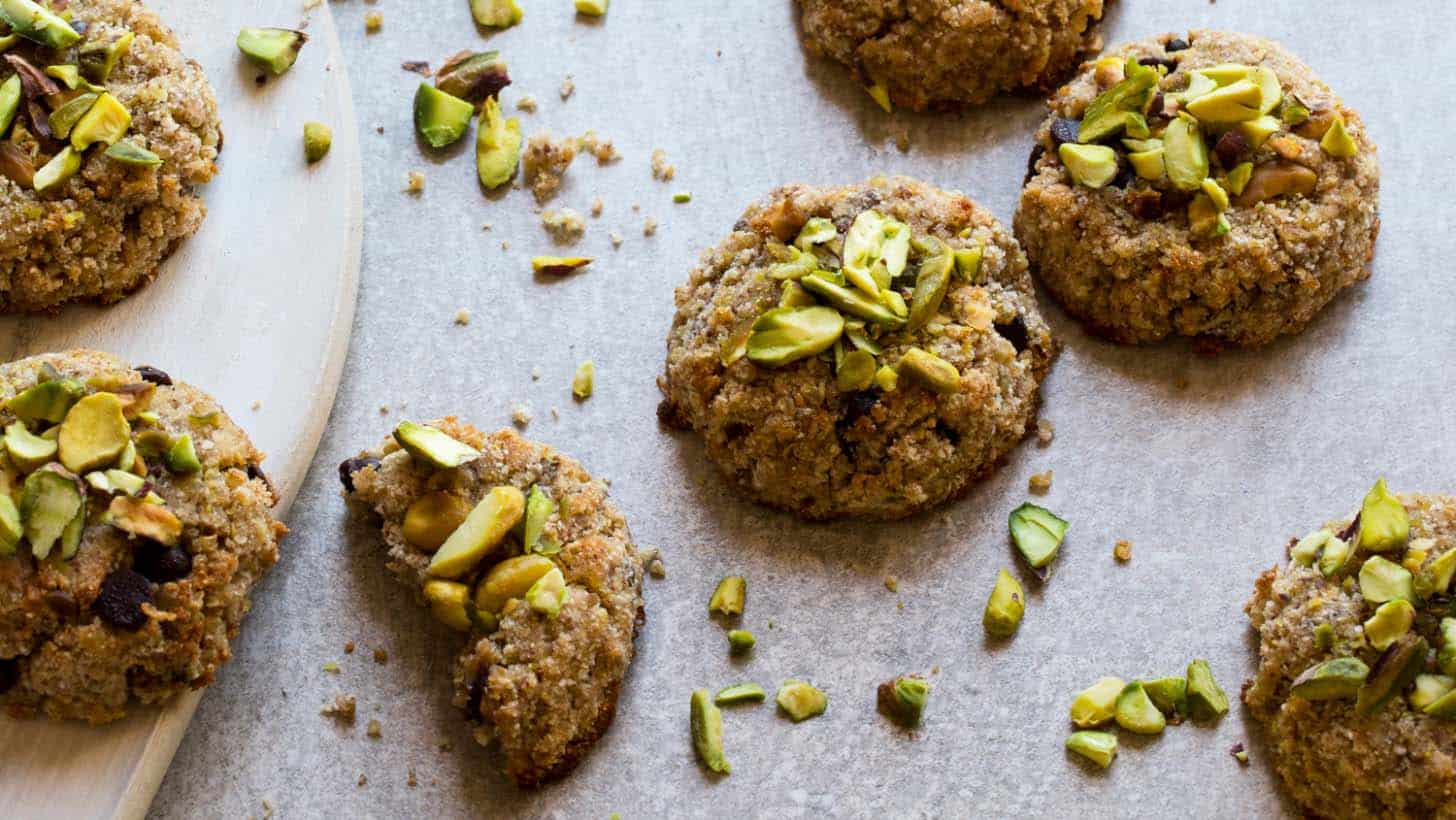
(789, 436)
(1125, 258)
(72, 648)
(102, 234)
(1398, 762)
(544, 686)
(941, 53)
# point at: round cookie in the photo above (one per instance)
(944, 53)
(1211, 188)
(901, 407)
(551, 597)
(134, 521)
(1340, 750)
(100, 233)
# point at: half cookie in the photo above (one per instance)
(1356, 680)
(868, 350)
(105, 130)
(134, 521)
(1211, 187)
(516, 545)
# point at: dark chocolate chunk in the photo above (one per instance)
(1176, 44)
(153, 375)
(1230, 148)
(1065, 130)
(121, 598)
(1014, 332)
(9, 674)
(162, 564)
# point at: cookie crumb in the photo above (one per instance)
(505, 244)
(332, 668)
(891, 583)
(526, 103)
(1122, 551)
(257, 404)
(374, 729)
(462, 317)
(599, 147)
(568, 87)
(383, 409)
(1045, 432)
(662, 170)
(649, 227)
(521, 415)
(902, 141)
(348, 647)
(555, 414)
(596, 207)
(342, 709)
(545, 161)
(616, 239)
(535, 374)
(1039, 483)
(415, 183)
(565, 225)
(411, 781)
(381, 657)
(362, 780)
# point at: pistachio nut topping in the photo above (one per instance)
(539, 509)
(784, 335)
(1384, 525)
(729, 596)
(97, 59)
(1336, 557)
(740, 693)
(275, 49)
(64, 118)
(127, 153)
(931, 371)
(51, 500)
(1393, 672)
(496, 13)
(1337, 141)
(903, 699)
(1091, 166)
(800, 700)
(1111, 111)
(449, 602)
(1429, 689)
(1005, 607)
(856, 371)
(27, 451)
(474, 77)
(48, 401)
(510, 579)
(548, 593)
(1098, 747)
(1206, 700)
(37, 23)
(11, 530)
(181, 457)
(317, 140)
(1391, 620)
(497, 146)
(706, 721)
(1170, 695)
(479, 534)
(816, 231)
(144, 519)
(1037, 533)
(432, 447)
(740, 641)
(1382, 580)
(1135, 711)
(1097, 704)
(1335, 679)
(1446, 656)
(1185, 154)
(10, 96)
(440, 118)
(93, 434)
(58, 171)
(431, 518)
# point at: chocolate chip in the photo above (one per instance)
(735, 430)
(477, 694)
(1231, 147)
(153, 375)
(254, 471)
(1176, 44)
(1014, 332)
(1162, 61)
(1065, 130)
(1037, 151)
(351, 466)
(121, 598)
(948, 433)
(859, 404)
(162, 564)
(9, 674)
(1145, 203)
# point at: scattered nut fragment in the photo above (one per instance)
(373, 21)
(583, 382)
(707, 731)
(362, 779)
(415, 183)
(1039, 483)
(317, 140)
(616, 239)
(662, 170)
(682, 197)
(729, 597)
(1045, 432)
(342, 709)
(891, 583)
(348, 647)
(545, 161)
(565, 225)
(521, 415)
(649, 227)
(903, 699)
(374, 729)
(1122, 551)
(381, 656)
(462, 317)
(740, 641)
(591, 8)
(526, 103)
(801, 700)
(559, 265)
(332, 668)
(568, 87)
(411, 780)
(596, 207)
(1240, 754)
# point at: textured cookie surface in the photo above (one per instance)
(544, 686)
(790, 436)
(1398, 762)
(102, 233)
(125, 617)
(947, 52)
(1126, 259)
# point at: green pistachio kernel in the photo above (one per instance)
(740, 693)
(875, 251)
(441, 118)
(816, 231)
(181, 457)
(1336, 557)
(591, 8)
(740, 641)
(10, 97)
(497, 146)
(432, 446)
(59, 170)
(27, 451)
(98, 59)
(887, 379)
(275, 49)
(496, 13)
(317, 140)
(932, 282)
(48, 401)
(1206, 700)
(1384, 525)
(968, 262)
(793, 295)
(1107, 114)
(707, 729)
(854, 331)
(903, 699)
(930, 371)
(1092, 166)
(1185, 154)
(729, 596)
(37, 23)
(794, 263)
(1391, 620)
(1337, 141)
(1258, 130)
(1097, 704)
(1393, 672)
(1135, 711)
(1307, 549)
(784, 335)
(1170, 695)
(1005, 607)
(1435, 578)
(583, 381)
(1446, 656)
(855, 372)
(1382, 580)
(128, 154)
(63, 119)
(1098, 747)
(1148, 164)
(1216, 194)
(881, 96)
(1429, 689)
(11, 529)
(850, 301)
(1236, 102)
(1238, 178)
(539, 509)
(1324, 637)
(800, 700)
(1331, 680)
(1037, 533)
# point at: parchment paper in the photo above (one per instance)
(1207, 480)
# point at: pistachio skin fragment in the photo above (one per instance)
(38, 23)
(432, 447)
(128, 154)
(489, 522)
(440, 118)
(497, 146)
(801, 700)
(317, 140)
(1384, 525)
(1393, 672)
(559, 265)
(1331, 680)
(706, 720)
(740, 641)
(740, 693)
(1098, 747)
(1206, 700)
(782, 336)
(729, 596)
(1005, 607)
(1037, 533)
(1096, 704)
(903, 699)
(473, 77)
(930, 371)
(496, 13)
(1136, 712)
(275, 49)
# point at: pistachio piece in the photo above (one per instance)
(144, 519)
(1429, 689)
(15, 165)
(497, 146)
(1393, 672)
(1276, 179)
(800, 700)
(729, 596)
(740, 641)
(875, 251)
(496, 13)
(903, 699)
(1097, 704)
(1148, 164)
(930, 371)
(448, 602)
(1037, 533)
(881, 96)
(432, 447)
(11, 530)
(473, 77)
(592, 8)
(740, 693)
(1435, 579)
(816, 231)
(1204, 218)
(1136, 713)
(583, 381)
(1005, 607)
(10, 96)
(275, 49)
(548, 593)
(1293, 112)
(489, 522)
(1446, 656)
(1092, 166)
(707, 727)
(968, 262)
(37, 23)
(1331, 680)
(1390, 621)
(1237, 102)
(855, 372)
(431, 519)
(1258, 130)
(440, 118)
(58, 171)
(735, 346)
(559, 265)
(932, 282)
(104, 122)
(28, 452)
(1336, 557)
(793, 295)
(70, 77)
(1384, 525)
(1337, 141)
(48, 401)
(98, 59)
(63, 119)
(792, 263)
(1184, 153)
(784, 335)
(510, 579)
(128, 154)
(539, 509)
(1216, 195)
(895, 302)
(852, 302)
(1382, 580)
(93, 434)
(1107, 114)
(317, 140)
(1170, 695)
(1206, 700)
(1307, 549)
(181, 457)
(887, 379)
(113, 482)
(1098, 747)
(1238, 178)
(51, 500)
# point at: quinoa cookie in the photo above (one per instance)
(943, 53)
(105, 131)
(134, 521)
(866, 350)
(1211, 187)
(1356, 677)
(516, 546)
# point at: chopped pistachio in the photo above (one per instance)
(932, 282)
(1390, 621)
(850, 301)
(855, 372)
(474, 77)
(548, 593)
(26, 451)
(1109, 112)
(98, 59)
(784, 335)
(143, 518)
(496, 13)
(800, 700)
(1337, 141)
(128, 154)
(1382, 580)
(1037, 533)
(1236, 102)
(1185, 154)
(1307, 549)
(903, 699)
(539, 509)
(1092, 166)
(448, 602)
(1275, 179)
(887, 379)
(275, 49)
(1005, 607)
(48, 401)
(816, 231)
(1333, 679)
(592, 8)
(1206, 700)
(1170, 695)
(440, 118)
(881, 96)
(1098, 747)
(509, 580)
(740, 693)
(432, 446)
(729, 596)
(59, 170)
(682, 197)
(968, 262)
(583, 381)
(1384, 525)
(740, 641)
(430, 519)
(51, 500)
(1135, 711)
(37, 23)
(930, 371)
(10, 97)
(793, 295)
(875, 251)
(1097, 704)
(1216, 194)
(1393, 672)
(317, 140)
(1324, 637)
(63, 119)
(93, 434)
(1446, 656)
(483, 529)
(1148, 164)
(1429, 689)
(707, 730)
(497, 146)
(373, 22)
(1336, 557)
(11, 529)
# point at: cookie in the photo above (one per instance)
(114, 131)
(134, 522)
(1211, 187)
(944, 53)
(515, 546)
(866, 350)
(1357, 661)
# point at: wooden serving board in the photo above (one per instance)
(257, 307)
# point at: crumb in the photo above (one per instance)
(348, 647)
(341, 709)
(902, 141)
(331, 667)
(373, 21)
(462, 317)
(535, 374)
(891, 584)
(419, 67)
(521, 415)
(383, 409)
(268, 807)
(379, 129)
(362, 779)
(411, 781)
(555, 414)
(1122, 551)
(568, 87)
(380, 656)
(565, 225)
(1045, 432)
(657, 569)
(649, 227)
(1040, 483)
(616, 239)
(446, 745)
(373, 730)
(505, 244)
(161, 614)
(485, 227)
(596, 207)
(415, 183)
(545, 161)
(599, 147)
(900, 606)
(636, 206)
(526, 103)
(257, 404)
(682, 197)
(662, 170)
